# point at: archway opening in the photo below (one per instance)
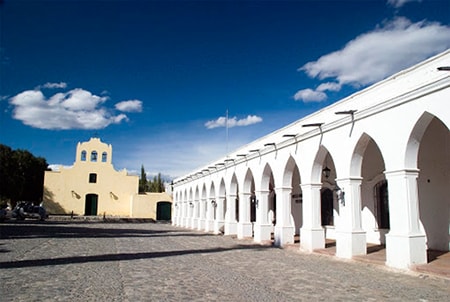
(329, 208)
(433, 162)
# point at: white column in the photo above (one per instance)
(175, 215)
(185, 213)
(209, 223)
(202, 216)
(350, 237)
(230, 219)
(284, 230)
(312, 234)
(219, 222)
(193, 222)
(405, 242)
(263, 228)
(244, 227)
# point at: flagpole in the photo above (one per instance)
(226, 126)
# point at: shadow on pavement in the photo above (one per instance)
(121, 257)
(64, 230)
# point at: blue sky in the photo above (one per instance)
(156, 78)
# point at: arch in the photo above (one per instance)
(321, 161)
(429, 149)
(249, 188)
(249, 183)
(358, 155)
(291, 178)
(289, 169)
(412, 147)
(368, 163)
(268, 183)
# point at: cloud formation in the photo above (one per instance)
(372, 56)
(233, 122)
(129, 106)
(49, 85)
(400, 3)
(75, 109)
(308, 95)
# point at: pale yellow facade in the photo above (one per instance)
(93, 187)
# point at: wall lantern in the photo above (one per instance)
(75, 194)
(340, 194)
(254, 201)
(326, 172)
(214, 203)
(191, 204)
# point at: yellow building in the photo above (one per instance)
(93, 187)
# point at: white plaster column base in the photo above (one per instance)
(284, 235)
(349, 244)
(230, 228)
(312, 239)
(263, 232)
(209, 225)
(404, 251)
(219, 227)
(244, 230)
(201, 224)
(194, 223)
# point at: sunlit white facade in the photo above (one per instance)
(373, 168)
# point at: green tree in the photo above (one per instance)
(157, 185)
(143, 183)
(21, 175)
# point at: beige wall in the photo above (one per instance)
(65, 190)
(145, 205)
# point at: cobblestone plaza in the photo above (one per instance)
(97, 261)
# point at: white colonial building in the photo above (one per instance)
(373, 168)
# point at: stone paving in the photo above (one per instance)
(96, 261)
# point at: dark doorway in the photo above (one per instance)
(327, 207)
(163, 210)
(382, 204)
(90, 208)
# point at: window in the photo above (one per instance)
(83, 155)
(92, 177)
(94, 156)
(104, 157)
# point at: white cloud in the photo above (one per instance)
(129, 106)
(75, 109)
(331, 86)
(400, 3)
(233, 122)
(372, 56)
(49, 85)
(309, 95)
